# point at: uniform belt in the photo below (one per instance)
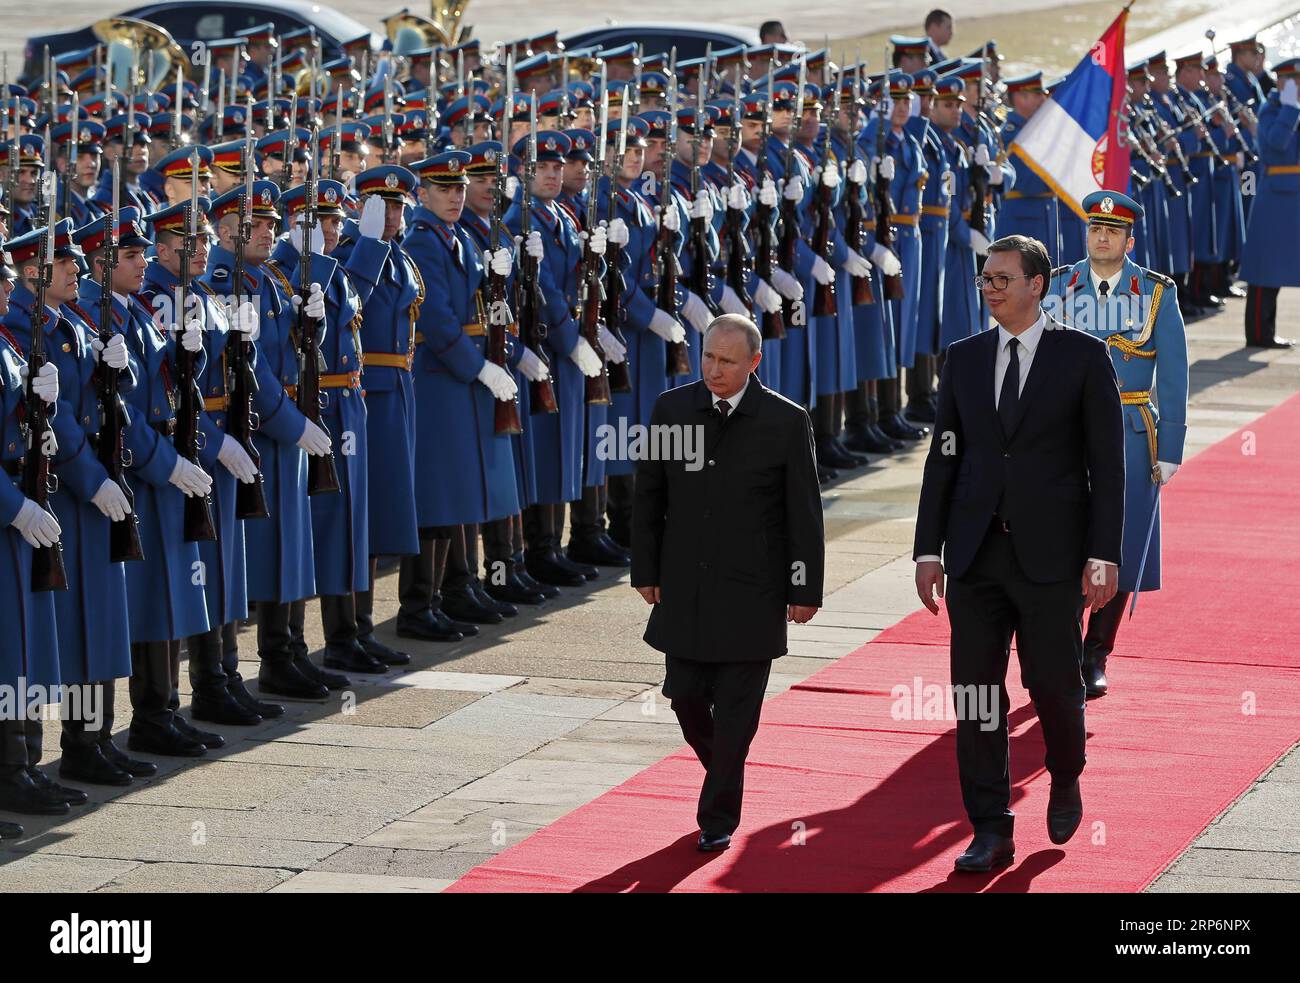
(1025, 194)
(341, 380)
(1136, 398)
(389, 360)
(941, 210)
(1204, 153)
(216, 404)
(904, 219)
(1282, 169)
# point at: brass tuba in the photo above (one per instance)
(150, 49)
(410, 32)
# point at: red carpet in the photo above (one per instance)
(841, 796)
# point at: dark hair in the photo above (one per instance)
(1033, 257)
(936, 17)
(770, 27)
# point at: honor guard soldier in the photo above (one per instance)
(281, 569)
(177, 174)
(135, 161)
(84, 173)
(1167, 105)
(30, 162)
(1136, 311)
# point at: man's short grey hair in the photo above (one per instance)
(737, 322)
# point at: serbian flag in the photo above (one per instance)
(1077, 141)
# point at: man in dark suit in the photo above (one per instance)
(728, 545)
(1024, 495)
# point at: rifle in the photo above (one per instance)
(499, 317)
(532, 332)
(336, 138)
(789, 210)
(48, 571)
(596, 387)
(701, 278)
(737, 260)
(855, 211)
(124, 534)
(823, 221)
(665, 250)
(773, 324)
(73, 155)
(979, 177)
(250, 499)
(322, 475)
(620, 377)
(290, 138)
(174, 137)
(893, 286)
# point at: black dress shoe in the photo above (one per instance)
(351, 658)
(830, 456)
(377, 649)
(513, 591)
(503, 608)
(222, 708)
(921, 410)
(524, 577)
(1064, 811)
(460, 604)
(895, 426)
(10, 831)
(18, 793)
(868, 440)
(712, 842)
(987, 851)
(585, 570)
(287, 680)
(425, 627)
(132, 766)
(1094, 677)
(167, 741)
(88, 764)
(544, 567)
(859, 460)
(236, 688)
(207, 738)
(596, 551)
(1273, 343)
(54, 791)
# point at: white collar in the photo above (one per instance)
(734, 400)
(122, 299)
(1113, 280)
(1029, 338)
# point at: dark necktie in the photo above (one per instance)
(1009, 401)
(1103, 288)
(723, 408)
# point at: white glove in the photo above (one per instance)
(533, 245)
(532, 367)
(587, 361)
(767, 193)
(996, 177)
(738, 197)
(512, 187)
(702, 206)
(192, 336)
(981, 155)
(236, 460)
(830, 177)
(1290, 94)
(315, 302)
(732, 304)
(787, 286)
(617, 232)
(882, 168)
(317, 238)
(37, 526)
(671, 220)
(979, 242)
(111, 500)
(46, 385)
(794, 189)
(666, 326)
(615, 350)
(822, 272)
(374, 214)
(247, 321)
(113, 354)
(596, 241)
(858, 171)
(886, 261)
(190, 478)
(765, 298)
(314, 440)
(499, 382)
(695, 311)
(1167, 471)
(501, 261)
(857, 264)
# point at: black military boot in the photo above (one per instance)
(87, 763)
(132, 766)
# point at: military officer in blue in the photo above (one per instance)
(1239, 78)
(1136, 311)
(175, 172)
(30, 158)
(135, 161)
(1187, 92)
(85, 174)
(1180, 225)
(260, 45)
(1268, 260)
(281, 568)
(29, 653)
(1031, 208)
(1236, 145)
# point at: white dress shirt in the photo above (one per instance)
(1113, 280)
(734, 400)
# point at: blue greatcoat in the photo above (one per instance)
(27, 629)
(1273, 238)
(936, 200)
(961, 316)
(834, 367)
(798, 348)
(872, 330)
(1179, 209)
(464, 470)
(279, 547)
(1031, 208)
(1148, 345)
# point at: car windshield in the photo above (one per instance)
(341, 26)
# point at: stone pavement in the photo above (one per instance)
(413, 778)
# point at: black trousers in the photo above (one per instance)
(717, 705)
(987, 605)
(462, 557)
(587, 514)
(498, 550)
(155, 676)
(20, 745)
(77, 730)
(542, 527)
(1261, 314)
(419, 577)
(622, 491)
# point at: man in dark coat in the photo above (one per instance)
(728, 545)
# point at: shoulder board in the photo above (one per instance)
(1060, 270)
(1159, 278)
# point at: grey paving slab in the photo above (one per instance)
(388, 862)
(333, 882)
(196, 878)
(50, 872)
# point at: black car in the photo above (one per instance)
(690, 39)
(189, 21)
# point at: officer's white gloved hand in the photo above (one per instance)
(374, 215)
(499, 382)
(731, 303)
(501, 261)
(617, 232)
(314, 440)
(671, 220)
(858, 171)
(695, 311)
(793, 190)
(1290, 94)
(315, 308)
(192, 336)
(883, 167)
(1167, 471)
(236, 460)
(615, 350)
(247, 321)
(46, 384)
(787, 285)
(702, 206)
(831, 177)
(317, 238)
(532, 367)
(512, 187)
(765, 298)
(36, 525)
(822, 271)
(886, 261)
(996, 177)
(981, 155)
(666, 326)
(857, 264)
(587, 361)
(113, 354)
(111, 500)
(767, 193)
(596, 242)
(979, 242)
(190, 478)
(533, 246)
(738, 197)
